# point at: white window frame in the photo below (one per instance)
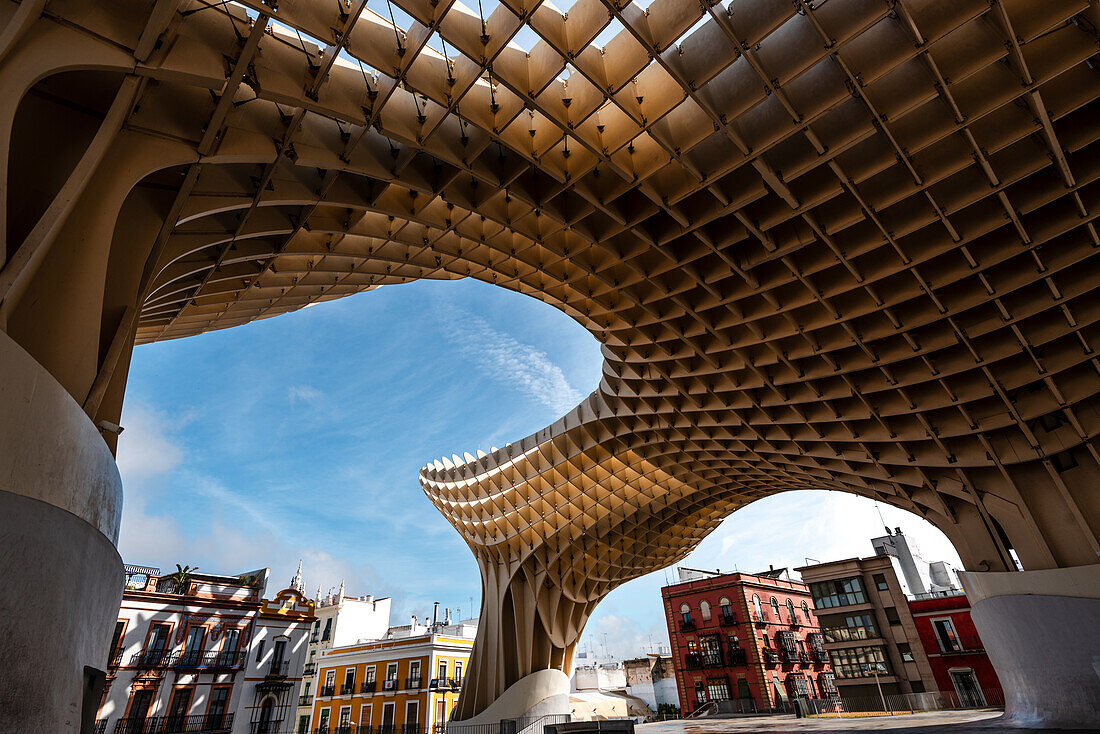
(704, 610)
(366, 711)
(415, 703)
(340, 719)
(441, 662)
(391, 671)
(939, 641)
(458, 671)
(369, 674)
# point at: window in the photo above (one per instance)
(842, 628)
(219, 703)
(229, 645)
(945, 635)
(412, 716)
(192, 649)
(458, 671)
(328, 629)
(685, 615)
(280, 652)
(442, 672)
(837, 593)
(345, 716)
(349, 681)
(827, 683)
(906, 652)
(391, 671)
(303, 724)
(799, 686)
(259, 651)
(704, 610)
(892, 615)
(775, 608)
(712, 650)
(330, 683)
(365, 716)
(369, 676)
(178, 708)
(116, 639)
(322, 720)
(718, 689)
(806, 612)
(414, 671)
(880, 582)
(859, 662)
(790, 611)
(440, 712)
(756, 606)
(726, 609)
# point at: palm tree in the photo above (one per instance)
(182, 577)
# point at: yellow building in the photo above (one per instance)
(407, 682)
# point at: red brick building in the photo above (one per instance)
(748, 641)
(954, 650)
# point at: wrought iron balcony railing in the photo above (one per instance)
(736, 656)
(727, 620)
(368, 686)
(324, 691)
(305, 700)
(310, 669)
(693, 660)
(278, 669)
(266, 727)
(347, 689)
(174, 724)
(412, 684)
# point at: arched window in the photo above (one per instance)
(775, 608)
(806, 612)
(726, 610)
(704, 610)
(685, 616)
(790, 611)
(693, 647)
(756, 606)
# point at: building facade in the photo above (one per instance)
(652, 679)
(407, 681)
(204, 654)
(341, 620)
(749, 642)
(869, 633)
(955, 651)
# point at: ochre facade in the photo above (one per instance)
(841, 245)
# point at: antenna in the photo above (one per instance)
(881, 518)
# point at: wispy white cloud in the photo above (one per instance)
(304, 393)
(505, 359)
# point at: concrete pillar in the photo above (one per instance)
(1040, 631)
(60, 504)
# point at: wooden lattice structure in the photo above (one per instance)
(838, 244)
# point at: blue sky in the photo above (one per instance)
(301, 436)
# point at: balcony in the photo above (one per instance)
(149, 659)
(412, 684)
(266, 727)
(199, 660)
(439, 684)
(693, 661)
(389, 685)
(173, 724)
(686, 625)
(310, 669)
(771, 657)
(306, 700)
(761, 619)
(736, 656)
(325, 691)
(347, 689)
(713, 659)
(787, 655)
(368, 686)
(727, 620)
(821, 657)
(278, 669)
(961, 645)
(114, 660)
(456, 683)
(100, 726)
(804, 658)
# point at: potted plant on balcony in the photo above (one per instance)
(181, 579)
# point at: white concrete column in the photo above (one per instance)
(1041, 630)
(60, 505)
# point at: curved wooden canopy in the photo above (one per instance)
(833, 244)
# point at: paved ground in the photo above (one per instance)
(934, 722)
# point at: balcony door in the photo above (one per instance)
(177, 710)
(229, 646)
(139, 711)
(192, 650)
(387, 719)
(158, 643)
(945, 635)
(970, 693)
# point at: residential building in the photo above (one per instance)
(652, 679)
(869, 632)
(341, 620)
(750, 642)
(954, 650)
(408, 680)
(204, 653)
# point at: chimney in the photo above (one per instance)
(435, 614)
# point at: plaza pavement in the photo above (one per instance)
(933, 722)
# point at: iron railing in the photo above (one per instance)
(368, 686)
(727, 619)
(196, 659)
(326, 691)
(309, 669)
(412, 684)
(305, 700)
(174, 724)
(347, 689)
(266, 727)
(736, 655)
(962, 645)
(686, 625)
(693, 660)
(901, 703)
(149, 659)
(278, 669)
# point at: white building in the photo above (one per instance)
(340, 621)
(204, 654)
(915, 574)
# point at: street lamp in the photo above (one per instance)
(876, 668)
